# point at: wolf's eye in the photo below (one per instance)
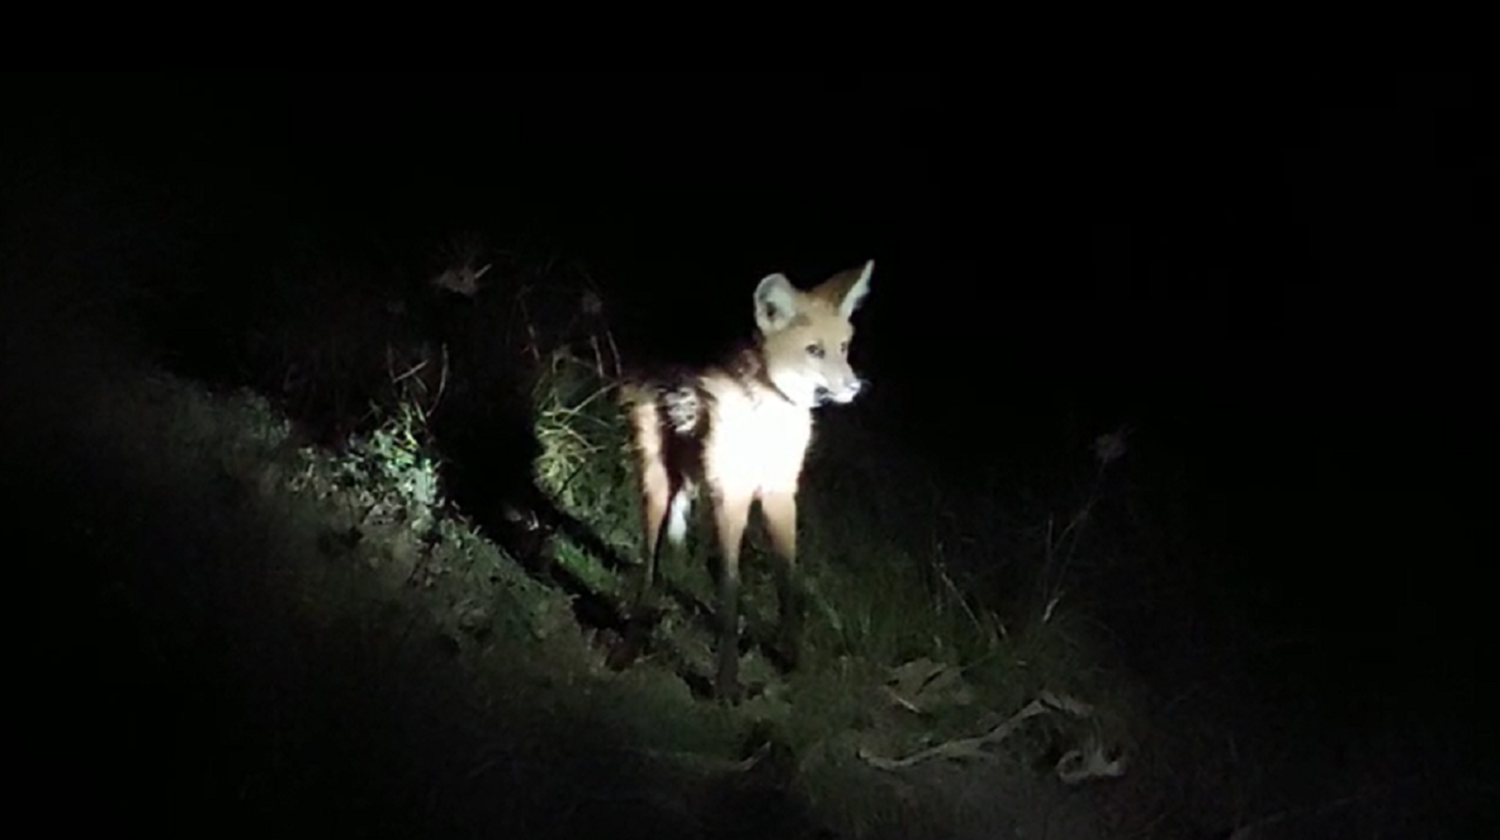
(815, 350)
(844, 349)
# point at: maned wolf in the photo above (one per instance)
(741, 429)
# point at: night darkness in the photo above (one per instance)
(1243, 272)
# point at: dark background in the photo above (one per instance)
(1259, 274)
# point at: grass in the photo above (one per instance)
(304, 593)
(368, 654)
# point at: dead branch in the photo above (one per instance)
(962, 747)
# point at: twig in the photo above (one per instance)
(962, 601)
(442, 381)
(963, 747)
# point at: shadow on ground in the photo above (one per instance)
(178, 675)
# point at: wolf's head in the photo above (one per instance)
(805, 335)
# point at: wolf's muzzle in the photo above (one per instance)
(845, 394)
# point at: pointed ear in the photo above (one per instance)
(857, 291)
(775, 302)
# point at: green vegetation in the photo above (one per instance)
(409, 663)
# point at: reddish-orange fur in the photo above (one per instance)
(741, 430)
